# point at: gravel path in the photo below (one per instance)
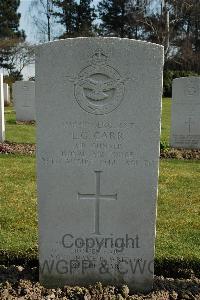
(17, 282)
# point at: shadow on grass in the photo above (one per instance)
(169, 268)
(11, 122)
(177, 268)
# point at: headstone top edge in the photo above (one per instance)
(23, 82)
(97, 39)
(186, 78)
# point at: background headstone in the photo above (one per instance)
(6, 94)
(2, 121)
(185, 117)
(98, 105)
(24, 100)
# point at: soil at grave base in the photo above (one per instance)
(17, 282)
(15, 148)
(25, 122)
(180, 154)
(29, 149)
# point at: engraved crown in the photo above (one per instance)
(99, 57)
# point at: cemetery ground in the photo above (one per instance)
(178, 239)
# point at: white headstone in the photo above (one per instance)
(185, 120)
(2, 121)
(98, 106)
(6, 94)
(24, 100)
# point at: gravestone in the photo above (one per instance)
(2, 121)
(24, 100)
(98, 106)
(185, 120)
(6, 89)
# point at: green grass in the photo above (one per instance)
(178, 227)
(26, 133)
(17, 204)
(166, 119)
(18, 133)
(178, 207)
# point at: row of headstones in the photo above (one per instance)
(185, 116)
(6, 90)
(4, 101)
(98, 107)
(24, 102)
(6, 94)
(24, 97)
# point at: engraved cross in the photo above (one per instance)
(189, 122)
(97, 197)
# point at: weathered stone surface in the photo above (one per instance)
(6, 94)
(2, 121)
(185, 120)
(24, 100)
(98, 104)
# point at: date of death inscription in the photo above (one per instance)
(87, 143)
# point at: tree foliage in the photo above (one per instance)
(122, 18)
(21, 55)
(174, 24)
(185, 19)
(85, 17)
(41, 12)
(10, 35)
(67, 16)
(77, 19)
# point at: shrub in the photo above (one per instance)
(164, 146)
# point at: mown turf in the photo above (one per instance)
(18, 133)
(17, 204)
(166, 119)
(178, 226)
(178, 208)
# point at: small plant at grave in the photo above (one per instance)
(164, 146)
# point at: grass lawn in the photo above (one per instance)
(166, 119)
(26, 133)
(178, 225)
(178, 206)
(17, 203)
(18, 133)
